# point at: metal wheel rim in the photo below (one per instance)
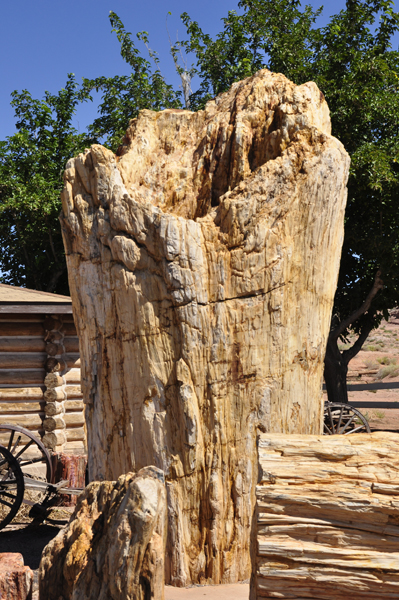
(328, 425)
(11, 447)
(7, 459)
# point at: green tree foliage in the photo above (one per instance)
(32, 162)
(273, 34)
(123, 96)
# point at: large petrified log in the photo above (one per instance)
(203, 261)
(114, 545)
(327, 517)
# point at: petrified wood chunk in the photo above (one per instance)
(327, 517)
(15, 579)
(202, 262)
(71, 468)
(114, 545)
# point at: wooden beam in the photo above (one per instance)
(28, 308)
(73, 391)
(21, 344)
(22, 360)
(22, 329)
(8, 376)
(71, 344)
(75, 434)
(20, 407)
(26, 393)
(29, 421)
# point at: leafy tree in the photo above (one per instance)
(123, 96)
(32, 162)
(267, 34)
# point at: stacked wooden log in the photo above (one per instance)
(327, 517)
(40, 379)
(64, 420)
(22, 371)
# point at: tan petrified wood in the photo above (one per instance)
(327, 517)
(202, 262)
(114, 545)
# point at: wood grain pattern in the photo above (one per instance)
(202, 265)
(327, 518)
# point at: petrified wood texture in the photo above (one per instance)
(327, 517)
(15, 579)
(114, 545)
(202, 263)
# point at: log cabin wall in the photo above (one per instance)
(64, 420)
(22, 371)
(40, 370)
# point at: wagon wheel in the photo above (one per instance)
(33, 457)
(34, 461)
(11, 487)
(343, 419)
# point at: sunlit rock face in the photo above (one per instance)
(203, 260)
(113, 548)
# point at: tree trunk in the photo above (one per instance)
(335, 372)
(203, 263)
(336, 362)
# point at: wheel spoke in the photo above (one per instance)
(30, 461)
(7, 495)
(348, 423)
(24, 448)
(16, 444)
(340, 418)
(9, 504)
(343, 419)
(11, 485)
(331, 420)
(359, 428)
(10, 440)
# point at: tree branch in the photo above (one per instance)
(53, 281)
(347, 355)
(377, 286)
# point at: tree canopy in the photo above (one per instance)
(31, 165)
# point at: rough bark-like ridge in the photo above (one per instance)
(327, 518)
(203, 261)
(114, 545)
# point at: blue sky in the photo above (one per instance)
(42, 40)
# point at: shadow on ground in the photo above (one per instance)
(29, 541)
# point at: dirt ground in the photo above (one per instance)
(377, 362)
(238, 591)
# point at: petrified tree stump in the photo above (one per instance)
(203, 261)
(114, 545)
(15, 579)
(327, 522)
(72, 468)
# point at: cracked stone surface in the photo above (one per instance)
(203, 260)
(114, 545)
